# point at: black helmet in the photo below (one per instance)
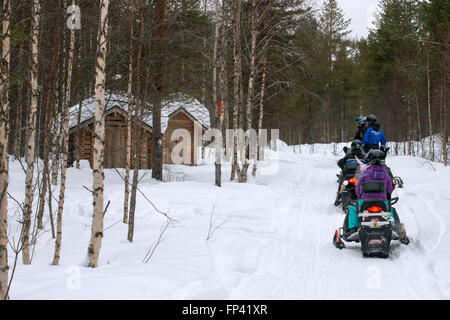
(376, 156)
(371, 118)
(356, 144)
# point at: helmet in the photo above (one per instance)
(376, 156)
(360, 120)
(356, 144)
(371, 118)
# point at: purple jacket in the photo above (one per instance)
(378, 173)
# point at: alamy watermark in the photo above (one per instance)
(74, 20)
(73, 281)
(250, 146)
(374, 280)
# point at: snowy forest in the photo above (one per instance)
(91, 91)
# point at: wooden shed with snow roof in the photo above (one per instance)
(179, 112)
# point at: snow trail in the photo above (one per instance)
(275, 243)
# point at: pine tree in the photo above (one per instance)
(333, 29)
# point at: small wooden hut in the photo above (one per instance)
(179, 112)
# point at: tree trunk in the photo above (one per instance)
(59, 128)
(251, 83)
(260, 155)
(418, 115)
(28, 206)
(158, 85)
(444, 133)
(18, 123)
(65, 146)
(129, 115)
(431, 146)
(137, 130)
(48, 114)
(237, 63)
(4, 163)
(78, 136)
(217, 115)
(99, 141)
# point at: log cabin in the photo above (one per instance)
(178, 112)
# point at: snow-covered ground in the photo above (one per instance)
(275, 243)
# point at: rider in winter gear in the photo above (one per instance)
(361, 122)
(374, 136)
(350, 156)
(375, 172)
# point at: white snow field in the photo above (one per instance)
(275, 243)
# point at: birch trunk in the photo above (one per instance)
(65, 146)
(236, 89)
(129, 115)
(32, 134)
(251, 83)
(260, 155)
(4, 163)
(99, 141)
(55, 150)
(61, 90)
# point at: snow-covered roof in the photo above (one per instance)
(177, 101)
(120, 100)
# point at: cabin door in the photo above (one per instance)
(114, 151)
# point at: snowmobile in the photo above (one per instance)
(348, 179)
(376, 229)
(347, 185)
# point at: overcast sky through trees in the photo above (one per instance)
(361, 12)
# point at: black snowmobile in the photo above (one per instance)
(375, 228)
(347, 185)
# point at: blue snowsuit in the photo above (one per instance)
(373, 137)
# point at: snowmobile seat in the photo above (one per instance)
(373, 187)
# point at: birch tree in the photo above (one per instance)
(4, 123)
(261, 106)
(251, 83)
(28, 206)
(236, 84)
(65, 146)
(99, 141)
(129, 115)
